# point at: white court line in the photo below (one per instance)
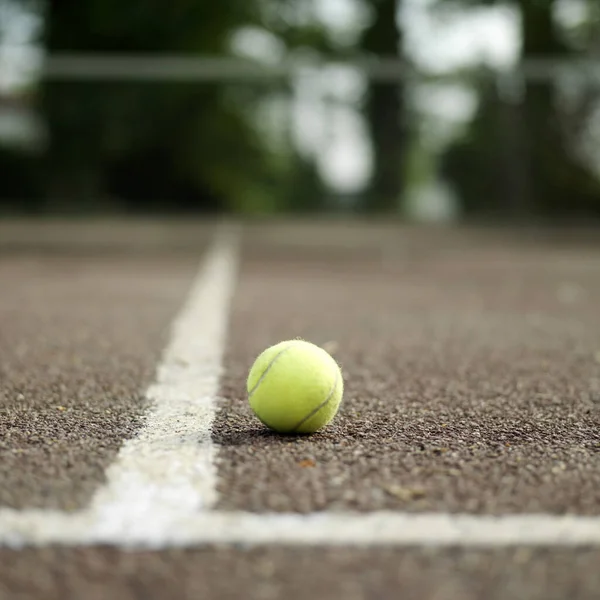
(40, 528)
(167, 471)
(169, 468)
(161, 488)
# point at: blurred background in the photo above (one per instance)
(427, 110)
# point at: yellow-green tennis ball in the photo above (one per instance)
(295, 387)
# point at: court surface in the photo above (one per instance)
(464, 462)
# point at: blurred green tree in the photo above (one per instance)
(141, 145)
(169, 146)
(385, 113)
(522, 157)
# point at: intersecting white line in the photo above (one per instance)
(169, 468)
(161, 489)
(376, 529)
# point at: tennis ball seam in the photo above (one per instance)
(269, 367)
(323, 404)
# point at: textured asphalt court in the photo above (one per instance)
(78, 338)
(472, 381)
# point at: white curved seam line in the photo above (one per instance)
(269, 366)
(318, 408)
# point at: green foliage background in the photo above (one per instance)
(144, 147)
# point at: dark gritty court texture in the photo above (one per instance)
(471, 365)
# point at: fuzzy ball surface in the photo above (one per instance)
(295, 386)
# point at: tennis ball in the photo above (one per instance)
(295, 387)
